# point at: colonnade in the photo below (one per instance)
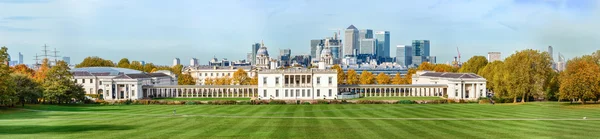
(395, 91)
(201, 92)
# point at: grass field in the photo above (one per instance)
(399, 98)
(201, 99)
(532, 120)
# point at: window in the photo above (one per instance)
(329, 93)
(297, 92)
(308, 93)
(100, 82)
(291, 93)
(264, 80)
(132, 92)
(90, 91)
(303, 93)
(480, 92)
(277, 93)
(276, 80)
(228, 74)
(318, 80)
(82, 80)
(330, 80)
(456, 94)
(91, 80)
(75, 80)
(222, 74)
(211, 74)
(286, 93)
(265, 93)
(318, 92)
(205, 74)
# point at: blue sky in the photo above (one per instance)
(158, 31)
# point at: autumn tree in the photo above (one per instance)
(95, 62)
(408, 76)
(473, 64)
(148, 67)
(382, 78)
(426, 66)
(443, 68)
(488, 72)
(123, 63)
(26, 89)
(352, 77)
(254, 80)
(367, 77)
(341, 76)
(177, 69)
(240, 77)
(209, 81)
(7, 87)
(58, 86)
(581, 80)
(136, 65)
(40, 74)
(398, 79)
(526, 73)
(23, 69)
(186, 79)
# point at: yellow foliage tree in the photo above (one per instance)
(240, 77)
(408, 77)
(40, 74)
(209, 81)
(254, 80)
(352, 77)
(443, 68)
(23, 69)
(341, 76)
(581, 80)
(383, 78)
(186, 79)
(367, 77)
(425, 66)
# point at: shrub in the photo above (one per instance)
(406, 102)
(93, 95)
(336, 102)
(277, 102)
(322, 102)
(306, 103)
(370, 102)
(244, 103)
(223, 102)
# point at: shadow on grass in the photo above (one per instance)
(36, 129)
(72, 108)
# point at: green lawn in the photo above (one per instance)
(201, 99)
(399, 98)
(532, 120)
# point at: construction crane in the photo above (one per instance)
(456, 62)
(458, 55)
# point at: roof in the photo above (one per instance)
(81, 73)
(157, 74)
(451, 75)
(136, 76)
(106, 71)
(351, 27)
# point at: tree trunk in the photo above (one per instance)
(524, 97)
(515, 99)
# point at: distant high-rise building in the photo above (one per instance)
(335, 51)
(403, 55)
(561, 64)
(420, 50)
(66, 59)
(285, 57)
(351, 41)
(20, 58)
(383, 44)
(193, 62)
(493, 56)
(365, 34)
(550, 51)
(255, 48)
(249, 58)
(176, 62)
(368, 46)
(314, 44)
(143, 63)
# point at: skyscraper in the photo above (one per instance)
(420, 51)
(67, 60)
(550, 51)
(176, 62)
(403, 55)
(351, 40)
(255, 48)
(20, 58)
(285, 57)
(365, 34)
(383, 44)
(313, 46)
(368, 46)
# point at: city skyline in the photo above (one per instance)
(203, 29)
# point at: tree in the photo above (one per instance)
(123, 63)
(136, 65)
(473, 64)
(383, 78)
(425, 66)
(581, 79)
(177, 69)
(240, 77)
(254, 80)
(40, 74)
(26, 89)
(553, 86)
(95, 62)
(398, 79)
(7, 87)
(488, 72)
(58, 86)
(367, 77)
(341, 76)
(352, 77)
(148, 67)
(23, 69)
(186, 79)
(408, 77)
(209, 81)
(226, 80)
(443, 68)
(526, 73)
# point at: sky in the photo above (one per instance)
(158, 31)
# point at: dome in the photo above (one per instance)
(326, 52)
(262, 51)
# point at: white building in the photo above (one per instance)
(262, 57)
(118, 83)
(297, 84)
(200, 73)
(176, 62)
(193, 62)
(494, 56)
(468, 86)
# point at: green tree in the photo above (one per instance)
(123, 63)
(240, 77)
(148, 67)
(136, 65)
(177, 69)
(382, 78)
(473, 65)
(581, 80)
(488, 72)
(95, 62)
(352, 77)
(7, 87)
(58, 86)
(367, 77)
(26, 89)
(526, 74)
(186, 79)
(341, 76)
